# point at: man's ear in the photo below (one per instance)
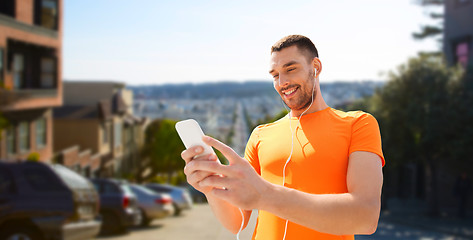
(317, 64)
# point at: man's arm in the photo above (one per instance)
(355, 212)
(228, 215)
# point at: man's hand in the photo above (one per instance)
(236, 183)
(195, 176)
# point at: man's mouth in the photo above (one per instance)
(289, 92)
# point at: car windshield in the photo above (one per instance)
(70, 178)
(126, 189)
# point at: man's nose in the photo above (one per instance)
(283, 80)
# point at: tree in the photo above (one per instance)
(431, 31)
(162, 150)
(462, 112)
(268, 119)
(416, 118)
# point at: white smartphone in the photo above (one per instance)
(191, 135)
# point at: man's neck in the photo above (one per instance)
(317, 105)
(314, 108)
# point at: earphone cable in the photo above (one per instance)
(292, 147)
(241, 226)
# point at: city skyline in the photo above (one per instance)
(187, 42)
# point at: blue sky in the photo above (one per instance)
(158, 42)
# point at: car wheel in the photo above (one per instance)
(144, 220)
(20, 233)
(177, 210)
(110, 224)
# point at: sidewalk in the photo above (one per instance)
(414, 215)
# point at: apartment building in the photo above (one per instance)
(30, 76)
(458, 32)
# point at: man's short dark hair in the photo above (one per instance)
(304, 44)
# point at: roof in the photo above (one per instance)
(102, 110)
(76, 112)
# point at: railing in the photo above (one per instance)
(8, 97)
(36, 93)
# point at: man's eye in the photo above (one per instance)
(275, 76)
(290, 69)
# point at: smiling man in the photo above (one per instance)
(314, 174)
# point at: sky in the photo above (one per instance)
(145, 42)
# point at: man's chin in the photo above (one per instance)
(297, 107)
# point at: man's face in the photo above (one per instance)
(293, 77)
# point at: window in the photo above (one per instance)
(109, 188)
(461, 53)
(18, 70)
(7, 7)
(41, 133)
(24, 136)
(11, 140)
(48, 72)
(42, 180)
(1, 68)
(46, 13)
(106, 133)
(118, 135)
(70, 178)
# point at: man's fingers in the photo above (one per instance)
(215, 181)
(198, 176)
(190, 153)
(227, 151)
(208, 166)
(192, 167)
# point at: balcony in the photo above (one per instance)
(37, 30)
(32, 74)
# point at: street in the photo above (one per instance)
(197, 224)
(200, 224)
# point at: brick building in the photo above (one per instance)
(30, 76)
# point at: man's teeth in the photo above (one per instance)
(289, 92)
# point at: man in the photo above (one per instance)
(314, 174)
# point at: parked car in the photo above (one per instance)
(181, 198)
(118, 205)
(41, 201)
(152, 205)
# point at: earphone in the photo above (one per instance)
(288, 159)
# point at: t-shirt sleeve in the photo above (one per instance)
(366, 136)
(251, 151)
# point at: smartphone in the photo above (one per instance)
(191, 135)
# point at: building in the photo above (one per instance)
(79, 130)
(458, 32)
(30, 76)
(97, 117)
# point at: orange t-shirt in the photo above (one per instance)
(323, 142)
